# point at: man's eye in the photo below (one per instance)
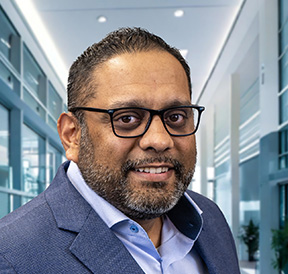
(127, 119)
(176, 117)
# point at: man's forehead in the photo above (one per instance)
(156, 54)
(140, 65)
(140, 79)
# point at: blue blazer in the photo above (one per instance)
(59, 232)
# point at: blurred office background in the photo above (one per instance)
(238, 53)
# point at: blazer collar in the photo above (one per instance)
(94, 244)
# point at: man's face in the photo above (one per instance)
(144, 177)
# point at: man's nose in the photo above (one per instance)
(156, 138)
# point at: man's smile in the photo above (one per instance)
(159, 172)
(153, 169)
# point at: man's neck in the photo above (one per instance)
(153, 228)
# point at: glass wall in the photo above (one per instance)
(10, 52)
(35, 80)
(249, 131)
(34, 76)
(29, 107)
(283, 111)
(38, 91)
(4, 146)
(283, 150)
(9, 78)
(222, 193)
(4, 160)
(9, 41)
(283, 191)
(54, 159)
(55, 106)
(33, 161)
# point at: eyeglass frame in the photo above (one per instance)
(152, 112)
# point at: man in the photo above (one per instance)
(120, 204)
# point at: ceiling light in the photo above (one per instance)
(102, 19)
(178, 13)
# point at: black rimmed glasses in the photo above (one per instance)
(131, 122)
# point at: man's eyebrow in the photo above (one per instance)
(177, 103)
(141, 103)
(130, 103)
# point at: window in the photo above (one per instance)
(9, 79)
(34, 77)
(54, 159)
(249, 122)
(34, 104)
(28, 162)
(54, 106)
(283, 149)
(4, 161)
(283, 204)
(33, 161)
(284, 70)
(284, 107)
(9, 41)
(4, 147)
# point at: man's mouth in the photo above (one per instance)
(153, 170)
(158, 168)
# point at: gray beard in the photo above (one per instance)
(115, 187)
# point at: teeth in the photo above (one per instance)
(153, 170)
(149, 170)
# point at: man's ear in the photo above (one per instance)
(70, 133)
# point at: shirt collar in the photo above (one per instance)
(189, 221)
(186, 216)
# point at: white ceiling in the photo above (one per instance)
(73, 26)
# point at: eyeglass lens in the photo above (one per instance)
(133, 122)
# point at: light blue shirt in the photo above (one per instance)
(174, 255)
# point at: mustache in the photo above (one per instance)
(132, 164)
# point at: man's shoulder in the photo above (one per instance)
(25, 218)
(32, 214)
(30, 231)
(22, 230)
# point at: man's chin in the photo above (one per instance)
(150, 204)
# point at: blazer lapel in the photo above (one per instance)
(216, 246)
(100, 250)
(205, 246)
(215, 243)
(95, 245)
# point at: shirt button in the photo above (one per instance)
(134, 228)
